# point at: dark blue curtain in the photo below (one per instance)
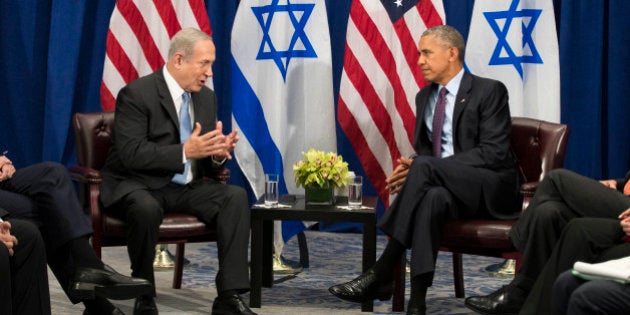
(51, 56)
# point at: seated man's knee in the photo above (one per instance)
(143, 209)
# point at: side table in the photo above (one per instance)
(262, 237)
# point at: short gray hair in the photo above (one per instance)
(450, 36)
(184, 41)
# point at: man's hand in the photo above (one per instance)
(396, 180)
(610, 183)
(213, 143)
(6, 168)
(6, 237)
(201, 146)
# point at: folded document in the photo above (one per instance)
(615, 269)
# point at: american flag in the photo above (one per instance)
(380, 79)
(138, 38)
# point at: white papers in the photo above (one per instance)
(616, 269)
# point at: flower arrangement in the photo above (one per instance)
(321, 169)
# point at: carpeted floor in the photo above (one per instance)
(334, 258)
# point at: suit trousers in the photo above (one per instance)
(561, 196)
(44, 194)
(221, 207)
(589, 240)
(574, 296)
(436, 190)
(23, 276)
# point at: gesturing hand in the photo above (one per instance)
(5, 236)
(201, 146)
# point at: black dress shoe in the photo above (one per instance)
(145, 305)
(363, 288)
(90, 282)
(231, 304)
(507, 300)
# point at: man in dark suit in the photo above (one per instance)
(463, 167)
(561, 197)
(23, 273)
(157, 164)
(44, 194)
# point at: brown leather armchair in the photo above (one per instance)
(93, 139)
(539, 147)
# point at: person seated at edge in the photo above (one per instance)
(591, 240)
(463, 167)
(23, 273)
(44, 194)
(562, 196)
(153, 167)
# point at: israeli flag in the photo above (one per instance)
(515, 42)
(282, 99)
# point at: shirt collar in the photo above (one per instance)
(173, 87)
(453, 85)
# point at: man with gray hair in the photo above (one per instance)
(166, 140)
(462, 168)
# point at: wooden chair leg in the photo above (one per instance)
(458, 275)
(398, 297)
(304, 259)
(179, 265)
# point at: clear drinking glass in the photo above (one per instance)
(355, 192)
(271, 190)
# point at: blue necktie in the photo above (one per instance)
(185, 128)
(438, 122)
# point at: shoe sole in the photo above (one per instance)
(381, 296)
(89, 291)
(476, 310)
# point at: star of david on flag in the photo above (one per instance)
(515, 42)
(299, 45)
(282, 99)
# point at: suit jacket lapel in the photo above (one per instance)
(165, 96)
(461, 99)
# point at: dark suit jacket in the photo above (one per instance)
(481, 134)
(146, 150)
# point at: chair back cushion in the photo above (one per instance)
(93, 133)
(539, 147)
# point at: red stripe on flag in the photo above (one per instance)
(138, 25)
(370, 164)
(199, 10)
(169, 16)
(429, 14)
(385, 59)
(371, 100)
(119, 58)
(410, 50)
(108, 101)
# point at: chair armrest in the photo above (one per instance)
(528, 189)
(85, 174)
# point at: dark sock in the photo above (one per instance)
(83, 255)
(385, 264)
(418, 295)
(98, 306)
